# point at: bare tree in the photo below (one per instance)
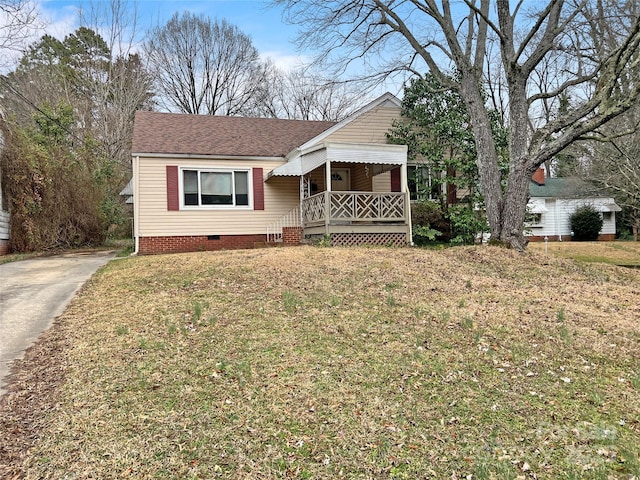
(19, 19)
(414, 35)
(303, 94)
(123, 85)
(95, 84)
(204, 66)
(614, 163)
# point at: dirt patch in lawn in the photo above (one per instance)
(342, 362)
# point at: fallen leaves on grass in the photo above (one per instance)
(355, 363)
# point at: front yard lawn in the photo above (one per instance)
(614, 253)
(309, 362)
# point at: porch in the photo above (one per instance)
(342, 214)
(346, 199)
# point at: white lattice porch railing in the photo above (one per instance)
(313, 209)
(291, 219)
(354, 207)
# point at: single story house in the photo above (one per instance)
(209, 182)
(552, 201)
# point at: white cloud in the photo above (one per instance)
(285, 60)
(60, 21)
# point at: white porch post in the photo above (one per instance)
(302, 196)
(404, 188)
(327, 195)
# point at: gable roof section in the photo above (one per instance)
(566, 187)
(387, 99)
(207, 135)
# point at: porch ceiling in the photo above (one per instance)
(311, 159)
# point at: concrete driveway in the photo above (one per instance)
(33, 293)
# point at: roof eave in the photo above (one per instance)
(198, 156)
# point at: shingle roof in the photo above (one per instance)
(567, 187)
(174, 133)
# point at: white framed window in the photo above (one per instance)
(215, 188)
(534, 220)
(421, 184)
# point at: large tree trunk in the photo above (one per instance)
(520, 167)
(487, 160)
(514, 209)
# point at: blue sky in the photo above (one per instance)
(271, 36)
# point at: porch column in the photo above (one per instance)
(327, 195)
(404, 188)
(301, 199)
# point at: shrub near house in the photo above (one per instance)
(586, 223)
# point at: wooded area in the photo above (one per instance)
(527, 56)
(552, 84)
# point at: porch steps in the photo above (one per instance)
(289, 220)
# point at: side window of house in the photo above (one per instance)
(419, 184)
(215, 188)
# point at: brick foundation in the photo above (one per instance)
(605, 237)
(4, 247)
(156, 245)
(291, 235)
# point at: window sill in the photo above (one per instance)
(215, 208)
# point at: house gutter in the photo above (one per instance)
(195, 156)
(557, 228)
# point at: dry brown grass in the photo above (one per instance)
(354, 363)
(615, 253)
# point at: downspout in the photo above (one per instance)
(136, 203)
(555, 209)
(302, 197)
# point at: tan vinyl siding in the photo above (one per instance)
(382, 182)
(317, 178)
(369, 128)
(281, 195)
(359, 180)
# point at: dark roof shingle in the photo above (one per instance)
(565, 187)
(182, 134)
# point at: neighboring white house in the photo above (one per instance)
(553, 200)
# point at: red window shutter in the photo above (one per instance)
(258, 189)
(395, 180)
(173, 196)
